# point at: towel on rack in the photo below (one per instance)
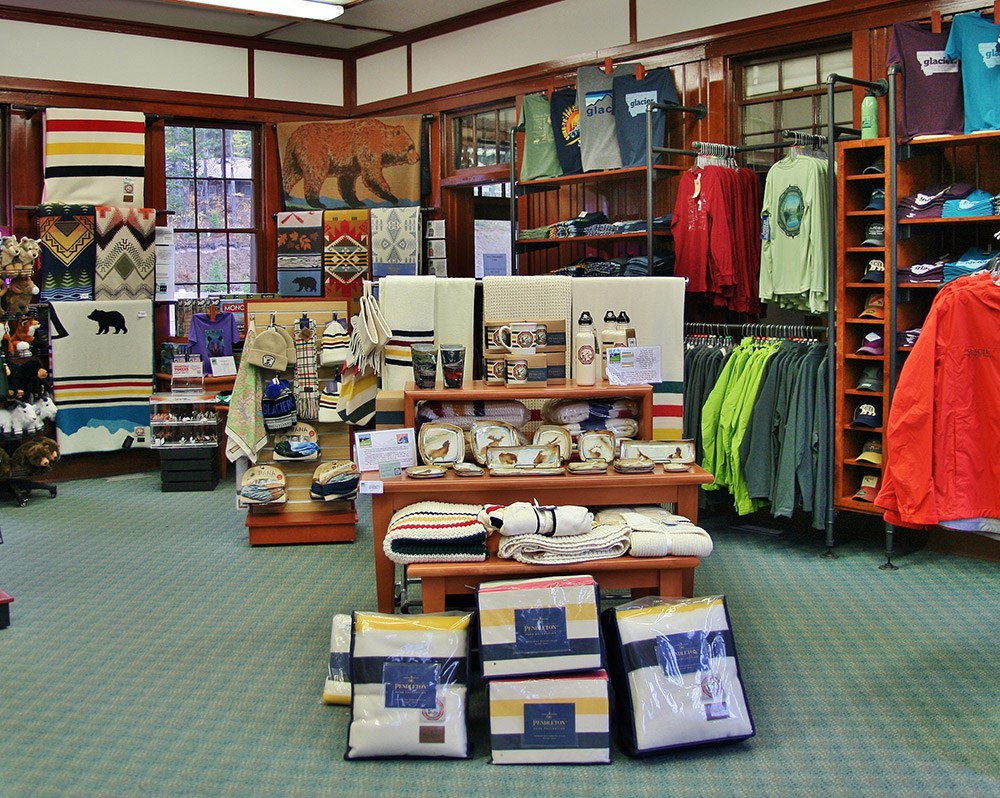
(407, 304)
(94, 157)
(126, 260)
(454, 317)
(245, 431)
(69, 252)
(436, 532)
(395, 234)
(655, 532)
(527, 298)
(655, 306)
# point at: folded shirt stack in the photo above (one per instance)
(929, 203)
(577, 226)
(978, 203)
(927, 272)
(972, 260)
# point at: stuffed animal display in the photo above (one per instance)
(17, 264)
(36, 456)
(20, 292)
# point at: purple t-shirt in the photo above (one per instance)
(932, 83)
(213, 338)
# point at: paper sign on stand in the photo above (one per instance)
(633, 365)
(375, 447)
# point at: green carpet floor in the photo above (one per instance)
(153, 652)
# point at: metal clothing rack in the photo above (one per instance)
(790, 138)
(755, 329)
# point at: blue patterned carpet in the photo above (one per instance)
(153, 652)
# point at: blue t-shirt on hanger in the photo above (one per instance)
(975, 41)
(213, 337)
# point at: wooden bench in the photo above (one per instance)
(645, 576)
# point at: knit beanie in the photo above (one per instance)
(289, 345)
(268, 351)
(278, 405)
(334, 346)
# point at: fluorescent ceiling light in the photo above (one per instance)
(305, 9)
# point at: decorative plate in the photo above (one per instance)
(588, 467)
(425, 471)
(596, 445)
(552, 433)
(633, 465)
(676, 468)
(679, 451)
(525, 458)
(441, 444)
(492, 433)
(517, 471)
(467, 470)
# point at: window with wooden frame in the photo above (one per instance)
(788, 91)
(479, 140)
(212, 183)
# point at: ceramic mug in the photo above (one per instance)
(517, 370)
(424, 365)
(495, 370)
(519, 337)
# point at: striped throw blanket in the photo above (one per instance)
(436, 532)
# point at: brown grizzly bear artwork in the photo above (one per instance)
(346, 151)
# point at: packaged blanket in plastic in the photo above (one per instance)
(554, 721)
(463, 414)
(538, 626)
(337, 688)
(676, 677)
(410, 677)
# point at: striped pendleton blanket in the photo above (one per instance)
(436, 532)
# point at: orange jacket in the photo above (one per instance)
(943, 432)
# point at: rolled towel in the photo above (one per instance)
(655, 532)
(436, 532)
(601, 543)
(524, 518)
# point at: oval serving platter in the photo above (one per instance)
(678, 451)
(527, 458)
(441, 444)
(425, 471)
(467, 470)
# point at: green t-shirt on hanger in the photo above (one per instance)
(539, 159)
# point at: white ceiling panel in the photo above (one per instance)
(321, 35)
(408, 15)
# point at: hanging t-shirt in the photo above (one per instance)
(213, 338)
(932, 82)
(539, 159)
(631, 96)
(565, 117)
(598, 133)
(974, 42)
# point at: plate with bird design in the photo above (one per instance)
(441, 444)
(492, 433)
(532, 456)
(597, 445)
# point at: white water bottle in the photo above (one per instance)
(585, 351)
(608, 337)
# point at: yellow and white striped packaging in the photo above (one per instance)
(532, 627)
(558, 720)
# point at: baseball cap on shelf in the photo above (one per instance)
(868, 490)
(868, 414)
(877, 167)
(871, 452)
(872, 345)
(877, 200)
(874, 235)
(871, 378)
(875, 273)
(874, 306)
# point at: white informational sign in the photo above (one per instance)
(164, 253)
(385, 445)
(633, 365)
(223, 366)
(187, 369)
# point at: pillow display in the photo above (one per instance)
(538, 626)
(410, 678)
(555, 721)
(676, 677)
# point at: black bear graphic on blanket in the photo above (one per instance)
(106, 319)
(305, 283)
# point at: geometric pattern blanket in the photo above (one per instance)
(345, 249)
(103, 374)
(395, 241)
(126, 258)
(69, 252)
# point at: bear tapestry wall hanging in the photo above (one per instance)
(358, 163)
(102, 366)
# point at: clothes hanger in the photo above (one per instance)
(935, 21)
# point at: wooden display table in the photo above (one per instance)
(597, 490)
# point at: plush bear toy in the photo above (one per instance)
(35, 456)
(10, 250)
(28, 380)
(29, 251)
(20, 292)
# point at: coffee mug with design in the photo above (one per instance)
(495, 370)
(520, 337)
(517, 370)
